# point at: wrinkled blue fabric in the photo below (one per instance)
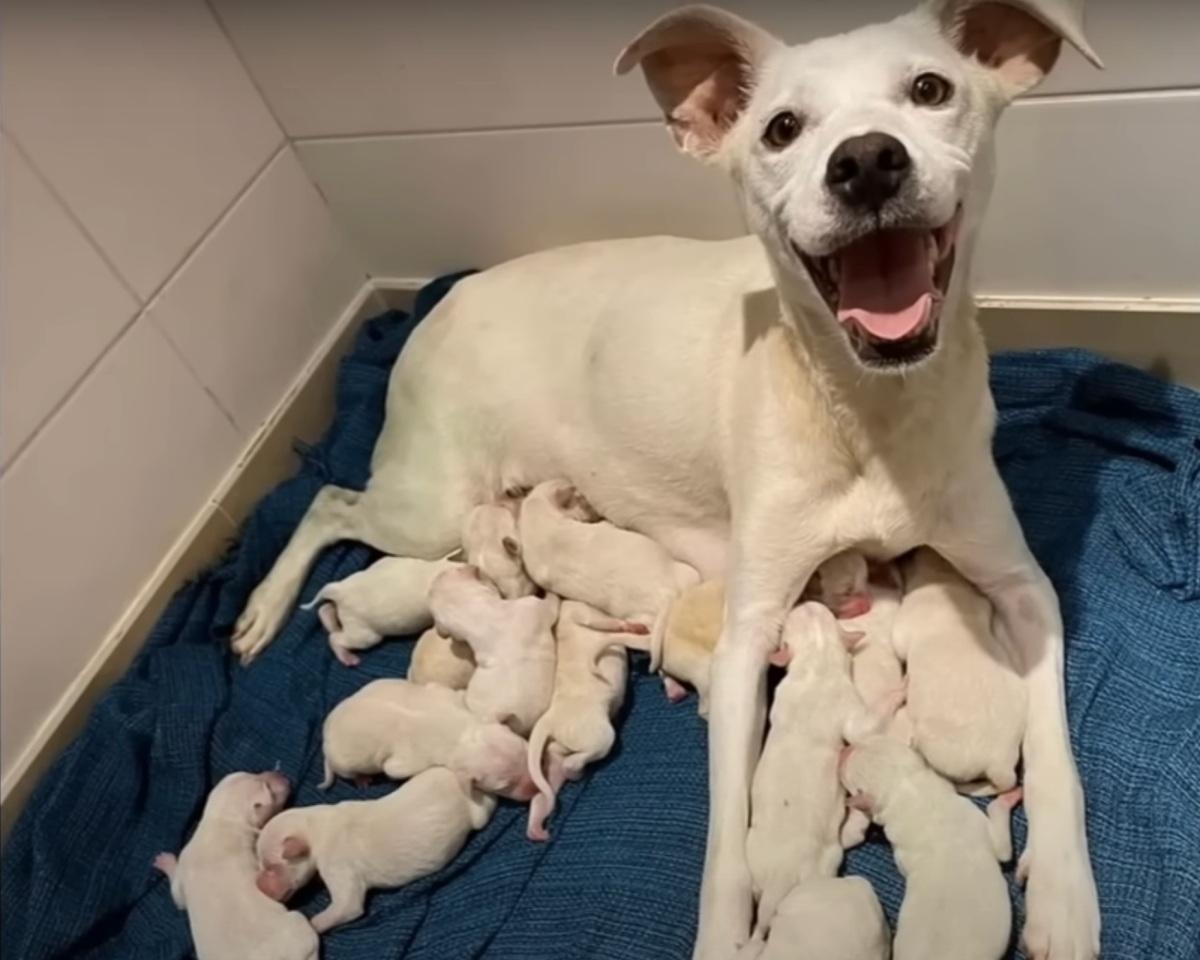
(1104, 466)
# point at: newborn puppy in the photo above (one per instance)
(828, 918)
(360, 845)
(693, 627)
(589, 688)
(841, 584)
(513, 644)
(441, 660)
(213, 879)
(955, 899)
(570, 551)
(491, 543)
(876, 669)
(400, 728)
(389, 598)
(796, 801)
(966, 703)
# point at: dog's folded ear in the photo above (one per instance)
(1019, 40)
(700, 64)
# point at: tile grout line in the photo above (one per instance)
(237, 53)
(144, 311)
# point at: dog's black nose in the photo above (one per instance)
(865, 171)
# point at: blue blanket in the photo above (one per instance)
(1104, 466)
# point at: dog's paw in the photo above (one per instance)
(726, 914)
(257, 625)
(1062, 913)
(165, 863)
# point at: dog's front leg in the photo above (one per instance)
(773, 558)
(982, 537)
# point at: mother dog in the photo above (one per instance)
(760, 404)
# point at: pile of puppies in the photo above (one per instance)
(526, 634)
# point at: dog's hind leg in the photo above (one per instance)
(403, 522)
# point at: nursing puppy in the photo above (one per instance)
(841, 584)
(955, 898)
(589, 688)
(390, 598)
(570, 551)
(758, 404)
(966, 704)
(797, 804)
(400, 728)
(361, 845)
(491, 542)
(828, 918)
(512, 641)
(436, 659)
(876, 669)
(213, 879)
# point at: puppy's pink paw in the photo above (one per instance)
(166, 863)
(674, 690)
(346, 657)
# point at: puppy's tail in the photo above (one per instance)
(322, 594)
(329, 777)
(999, 814)
(658, 636)
(538, 738)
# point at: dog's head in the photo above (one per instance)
(285, 862)
(248, 798)
(863, 161)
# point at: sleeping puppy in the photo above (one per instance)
(491, 543)
(955, 899)
(513, 644)
(589, 688)
(876, 669)
(570, 551)
(400, 728)
(388, 599)
(796, 801)
(966, 704)
(360, 845)
(213, 879)
(441, 660)
(828, 918)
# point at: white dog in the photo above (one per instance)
(361, 845)
(966, 705)
(829, 918)
(512, 641)
(442, 660)
(492, 543)
(213, 879)
(571, 551)
(797, 804)
(758, 405)
(876, 668)
(955, 898)
(390, 598)
(589, 688)
(400, 728)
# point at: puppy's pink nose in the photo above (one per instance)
(854, 605)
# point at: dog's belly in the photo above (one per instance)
(604, 363)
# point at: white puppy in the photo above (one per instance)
(491, 543)
(796, 802)
(213, 879)
(841, 584)
(955, 899)
(390, 598)
(966, 704)
(400, 728)
(876, 669)
(570, 551)
(360, 845)
(513, 644)
(828, 918)
(441, 660)
(589, 688)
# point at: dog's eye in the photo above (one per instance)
(782, 130)
(930, 90)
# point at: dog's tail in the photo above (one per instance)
(538, 738)
(329, 777)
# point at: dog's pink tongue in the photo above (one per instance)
(885, 283)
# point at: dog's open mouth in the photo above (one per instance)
(886, 289)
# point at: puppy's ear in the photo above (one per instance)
(861, 801)
(700, 63)
(1019, 40)
(511, 547)
(293, 848)
(564, 497)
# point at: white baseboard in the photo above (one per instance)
(1160, 335)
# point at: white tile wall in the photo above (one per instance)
(47, 341)
(89, 509)
(137, 158)
(386, 67)
(260, 292)
(140, 115)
